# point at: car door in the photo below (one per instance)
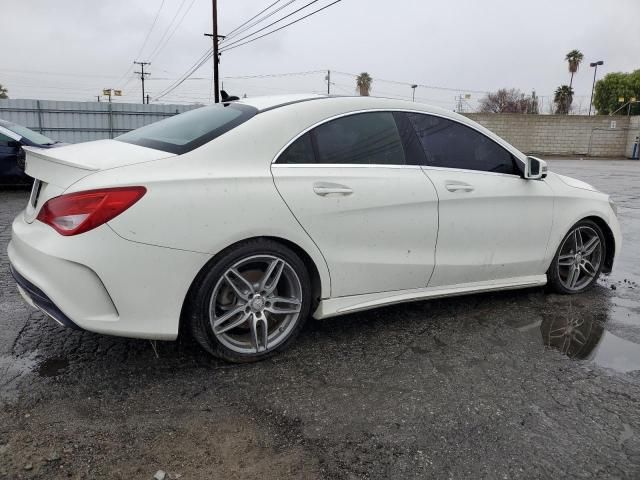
(494, 224)
(374, 218)
(9, 152)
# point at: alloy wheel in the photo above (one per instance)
(579, 258)
(255, 304)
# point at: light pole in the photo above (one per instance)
(594, 64)
(413, 87)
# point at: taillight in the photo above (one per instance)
(79, 212)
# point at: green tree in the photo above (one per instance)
(363, 84)
(563, 98)
(3, 92)
(615, 86)
(574, 57)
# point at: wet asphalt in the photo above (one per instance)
(468, 387)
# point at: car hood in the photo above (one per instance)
(575, 183)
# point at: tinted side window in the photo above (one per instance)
(300, 151)
(453, 145)
(369, 138)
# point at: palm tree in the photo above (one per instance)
(363, 84)
(3, 92)
(574, 57)
(563, 98)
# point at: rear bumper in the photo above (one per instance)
(36, 297)
(100, 282)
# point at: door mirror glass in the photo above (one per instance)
(535, 168)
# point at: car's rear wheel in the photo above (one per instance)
(579, 259)
(252, 302)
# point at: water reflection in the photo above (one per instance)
(586, 335)
(574, 336)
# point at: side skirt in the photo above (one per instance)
(332, 307)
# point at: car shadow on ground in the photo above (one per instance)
(387, 332)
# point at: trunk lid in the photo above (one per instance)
(56, 169)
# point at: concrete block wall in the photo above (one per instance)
(596, 136)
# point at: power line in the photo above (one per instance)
(61, 74)
(201, 61)
(258, 14)
(174, 30)
(272, 23)
(242, 30)
(144, 44)
(209, 53)
(153, 24)
(433, 87)
(232, 46)
(166, 32)
(268, 75)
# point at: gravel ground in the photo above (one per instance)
(454, 388)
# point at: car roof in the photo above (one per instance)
(354, 102)
(312, 108)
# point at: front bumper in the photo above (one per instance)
(100, 282)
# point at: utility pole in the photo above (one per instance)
(98, 98)
(147, 99)
(413, 96)
(216, 54)
(142, 74)
(328, 82)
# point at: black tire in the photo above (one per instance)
(553, 274)
(200, 297)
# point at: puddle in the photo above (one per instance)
(617, 353)
(52, 367)
(581, 337)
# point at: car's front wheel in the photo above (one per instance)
(252, 302)
(579, 259)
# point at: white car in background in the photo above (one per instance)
(243, 219)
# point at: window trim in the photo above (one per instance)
(515, 153)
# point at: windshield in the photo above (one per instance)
(31, 136)
(187, 131)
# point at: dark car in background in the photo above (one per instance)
(12, 138)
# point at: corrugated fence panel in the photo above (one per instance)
(74, 122)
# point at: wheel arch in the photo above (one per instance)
(312, 268)
(610, 242)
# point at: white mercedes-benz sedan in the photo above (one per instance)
(240, 220)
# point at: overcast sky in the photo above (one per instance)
(71, 49)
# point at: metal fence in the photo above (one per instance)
(73, 122)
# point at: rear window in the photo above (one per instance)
(189, 130)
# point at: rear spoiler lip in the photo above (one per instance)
(40, 153)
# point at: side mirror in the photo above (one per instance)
(535, 168)
(15, 144)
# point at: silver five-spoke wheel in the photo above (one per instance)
(580, 258)
(255, 304)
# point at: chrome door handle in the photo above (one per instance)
(459, 187)
(324, 189)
